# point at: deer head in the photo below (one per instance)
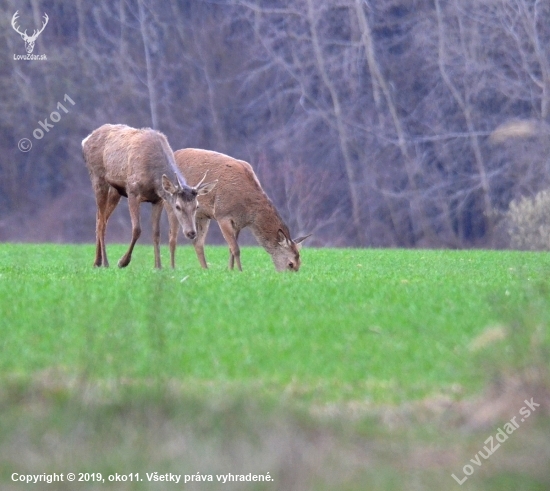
(29, 40)
(183, 199)
(286, 256)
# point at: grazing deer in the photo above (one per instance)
(29, 40)
(237, 202)
(136, 163)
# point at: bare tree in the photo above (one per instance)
(406, 116)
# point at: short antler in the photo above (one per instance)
(301, 239)
(201, 181)
(181, 181)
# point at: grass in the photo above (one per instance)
(183, 365)
(383, 325)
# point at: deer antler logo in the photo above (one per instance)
(29, 40)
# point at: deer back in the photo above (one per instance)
(238, 194)
(130, 158)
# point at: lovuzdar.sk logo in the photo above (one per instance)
(29, 40)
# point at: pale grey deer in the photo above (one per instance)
(138, 164)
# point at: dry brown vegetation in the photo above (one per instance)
(62, 423)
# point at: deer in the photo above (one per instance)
(238, 201)
(29, 40)
(138, 164)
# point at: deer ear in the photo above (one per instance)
(283, 239)
(206, 187)
(299, 241)
(168, 186)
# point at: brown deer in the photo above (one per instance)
(237, 202)
(136, 163)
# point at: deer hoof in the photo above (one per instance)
(124, 261)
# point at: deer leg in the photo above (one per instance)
(173, 233)
(99, 226)
(101, 197)
(230, 236)
(133, 205)
(238, 256)
(155, 219)
(112, 202)
(113, 198)
(198, 242)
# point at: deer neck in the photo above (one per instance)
(266, 226)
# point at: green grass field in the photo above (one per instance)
(260, 355)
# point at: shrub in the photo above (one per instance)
(528, 222)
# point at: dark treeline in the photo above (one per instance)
(395, 123)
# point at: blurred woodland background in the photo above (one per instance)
(381, 123)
